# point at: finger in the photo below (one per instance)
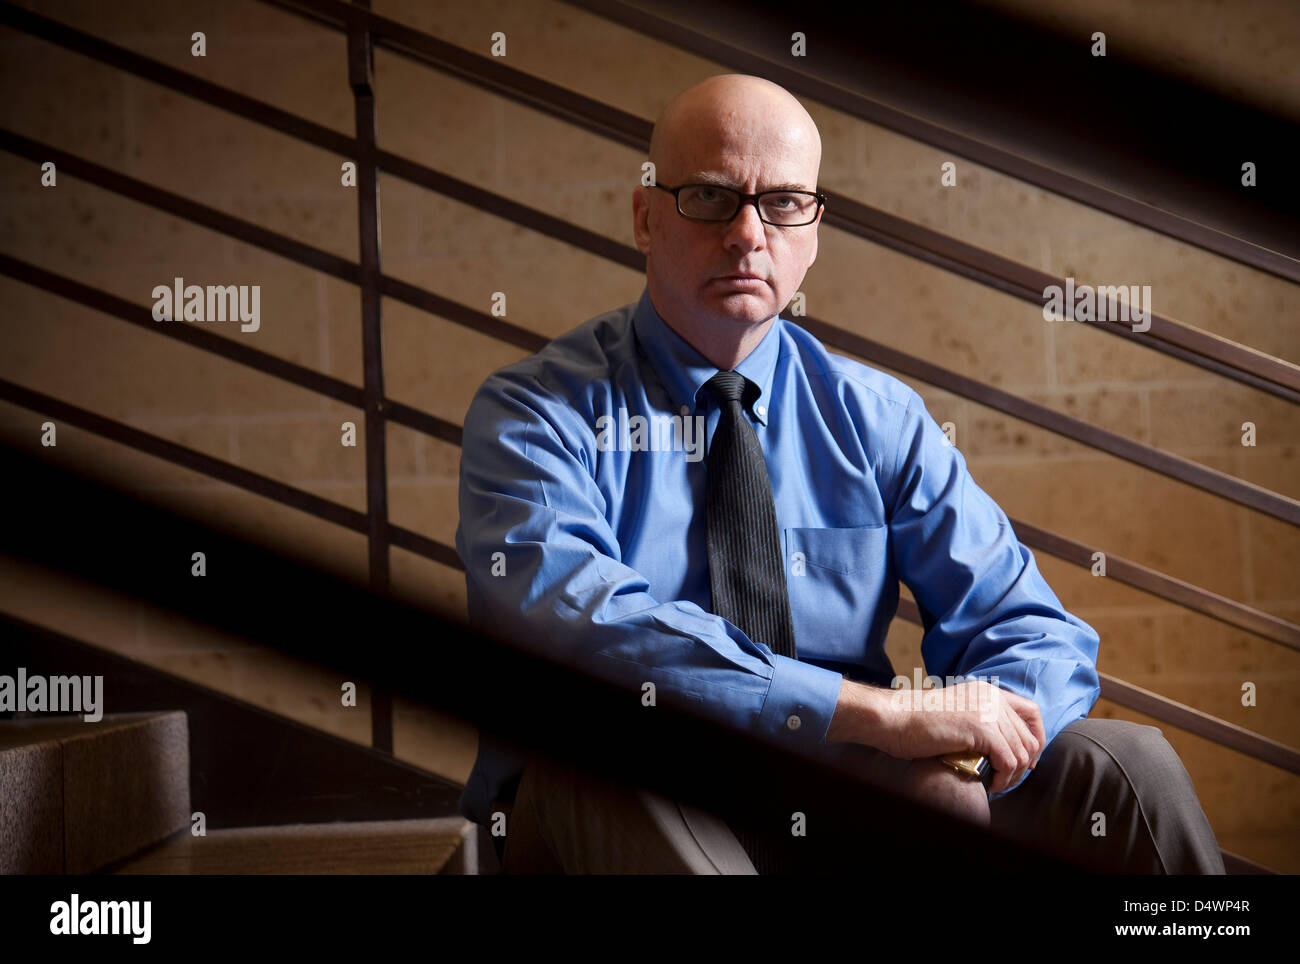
(1001, 780)
(1001, 758)
(1012, 735)
(1028, 711)
(1024, 754)
(1031, 744)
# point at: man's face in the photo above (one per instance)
(687, 261)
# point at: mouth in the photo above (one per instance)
(741, 279)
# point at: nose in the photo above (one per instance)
(746, 231)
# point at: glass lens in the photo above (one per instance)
(788, 207)
(711, 203)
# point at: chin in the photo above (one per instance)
(745, 308)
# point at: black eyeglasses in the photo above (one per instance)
(710, 202)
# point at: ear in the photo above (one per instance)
(641, 218)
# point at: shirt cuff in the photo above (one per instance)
(800, 702)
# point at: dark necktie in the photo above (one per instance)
(746, 566)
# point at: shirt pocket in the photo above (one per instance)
(842, 591)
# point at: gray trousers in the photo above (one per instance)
(1122, 773)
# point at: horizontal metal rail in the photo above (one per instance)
(1174, 713)
(227, 348)
(1184, 342)
(1200, 348)
(1140, 577)
(1174, 466)
(222, 470)
(1157, 583)
(1077, 430)
(1189, 344)
(1152, 704)
(916, 128)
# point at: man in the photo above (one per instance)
(757, 585)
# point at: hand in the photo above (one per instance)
(972, 716)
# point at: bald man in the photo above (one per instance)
(757, 585)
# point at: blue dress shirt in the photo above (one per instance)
(582, 528)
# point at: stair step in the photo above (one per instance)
(444, 845)
(75, 796)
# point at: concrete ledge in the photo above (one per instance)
(31, 808)
(443, 845)
(103, 790)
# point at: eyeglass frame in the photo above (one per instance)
(744, 199)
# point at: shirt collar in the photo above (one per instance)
(683, 370)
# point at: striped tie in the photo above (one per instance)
(746, 567)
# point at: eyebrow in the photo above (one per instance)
(705, 177)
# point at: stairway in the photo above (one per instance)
(78, 797)
(75, 795)
(444, 845)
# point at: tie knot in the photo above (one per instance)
(727, 386)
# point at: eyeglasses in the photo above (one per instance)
(710, 202)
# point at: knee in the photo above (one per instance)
(1147, 744)
(935, 784)
(1120, 740)
(1151, 763)
(1132, 751)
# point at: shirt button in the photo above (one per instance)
(794, 722)
(761, 411)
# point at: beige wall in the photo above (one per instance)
(270, 427)
(1244, 49)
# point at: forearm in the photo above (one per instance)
(588, 610)
(991, 614)
(863, 714)
(545, 567)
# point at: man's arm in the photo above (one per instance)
(986, 609)
(972, 716)
(544, 566)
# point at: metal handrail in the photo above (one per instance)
(1187, 343)
(917, 128)
(1154, 705)
(1177, 714)
(1176, 467)
(1181, 593)
(365, 30)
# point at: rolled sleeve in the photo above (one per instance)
(558, 585)
(986, 609)
(800, 702)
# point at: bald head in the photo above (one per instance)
(720, 283)
(733, 114)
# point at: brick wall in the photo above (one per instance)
(270, 427)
